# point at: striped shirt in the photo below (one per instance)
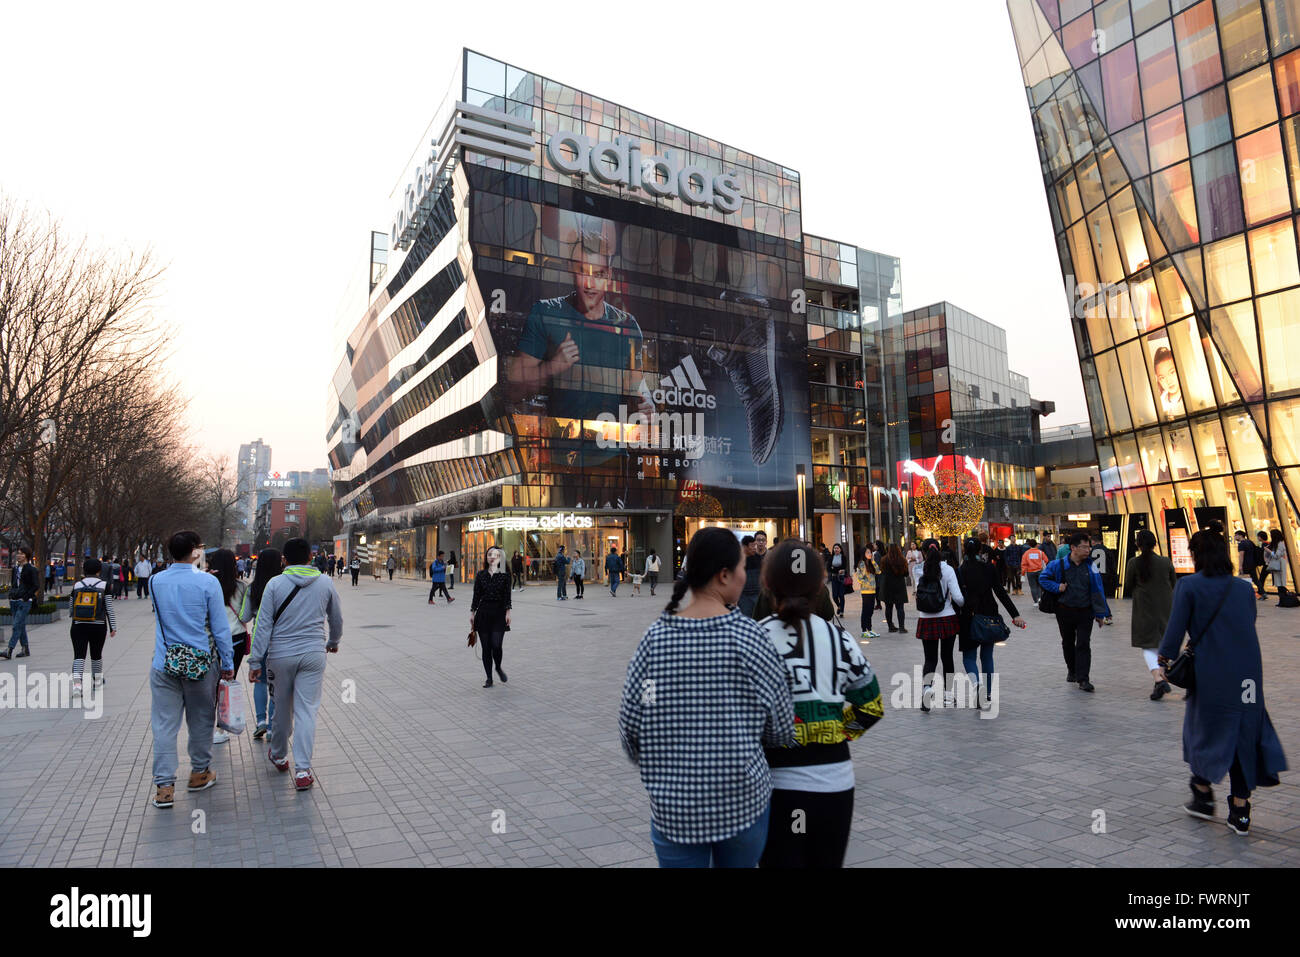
(702, 698)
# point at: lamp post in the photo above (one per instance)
(801, 481)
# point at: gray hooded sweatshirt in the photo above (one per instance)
(302, 625)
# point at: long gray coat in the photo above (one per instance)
(1152, 600)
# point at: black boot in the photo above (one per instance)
(1239, 818)
(1202, 803)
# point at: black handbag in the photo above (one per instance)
(988, 629)
(1182, 670)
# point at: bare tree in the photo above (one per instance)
(221, 498)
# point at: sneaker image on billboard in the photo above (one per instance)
(751, 364)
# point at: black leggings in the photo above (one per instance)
(578, 585)
(890, 607)
(933, 651)
(90, 637)
(1236, 780)
(868, 611)
(808, 829)
(491, 643)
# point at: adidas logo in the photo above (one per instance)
(684, 386)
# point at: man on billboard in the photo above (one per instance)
(584, 353)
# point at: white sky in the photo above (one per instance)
(254, 146)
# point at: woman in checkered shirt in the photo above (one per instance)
(705, 692)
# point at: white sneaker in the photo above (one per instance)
(950, 699)
(76, 689)
(927, 698)
(219, 736)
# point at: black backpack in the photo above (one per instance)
(930, 597)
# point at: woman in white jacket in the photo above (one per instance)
(1275, 560)
(938, 596)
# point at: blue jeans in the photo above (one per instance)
(20, 608)
(985, 653)
(740, 850)
(613, 583)
(263, 703)
(561, 581)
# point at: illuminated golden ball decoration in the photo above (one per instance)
(956, 506)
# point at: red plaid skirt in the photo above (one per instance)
(932, 629)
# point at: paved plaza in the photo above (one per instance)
(426, 767)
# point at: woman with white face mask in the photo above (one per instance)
(489, 612)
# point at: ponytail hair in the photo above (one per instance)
(711, 551)
(933, 572)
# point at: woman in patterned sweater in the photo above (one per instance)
(836, 698)
(705, 692)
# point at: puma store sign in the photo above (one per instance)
(621, 163)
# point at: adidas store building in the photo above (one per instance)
(580, 328)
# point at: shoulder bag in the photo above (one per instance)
(180, 660)
(1050, 599)
(1182, 670)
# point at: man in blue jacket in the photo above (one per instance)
(191, 611)
(614, 569)
(561, 574)
(1081, 601)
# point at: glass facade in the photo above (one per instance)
(1168, 135)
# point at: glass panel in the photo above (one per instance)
(1193, 373)
(1243, 441)
(1253, 103)
(1113, 392)
(1104, 246)
(1191, 497)
(1113, 22)
(1218, 199)
(1263, 175)
(1162, 497)
(1223, 492)
(1207, 120)
(1094, 312)
(485, 74)
(1167, 138)
(1287, 70)
(1211, 447)
(1130, 468)
(1273, 257)
(1078, 41)
(1158, 68)
(1174, 299)
(1182, 454)
(1164, 374)
(1284, 427)
(1107, 467)
(1198, 48)
(1176, 206)
(1241, 30)
(1147, 13)
(1279, 326)
(1133, 369)
(1090, 188)
(1291, 130)
(1120, 87)
(1283, 24)
(1234, 333)
(1155, 464)
(1258, 505)
(1128, 229)
(1227, 274)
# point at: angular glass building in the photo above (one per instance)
(1169, 136)
(583, 328)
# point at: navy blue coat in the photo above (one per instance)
(1218, 724)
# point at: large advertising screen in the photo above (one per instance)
(644, 368)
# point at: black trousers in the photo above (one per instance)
(492, 643)
(1075, 625)
(808, 829)
(439, 587)
(142, 588)
(578, 586)
(356, 573)
(1259, 577)
(890, 607)
(933, 650)
(87, 637)
(1236, 780)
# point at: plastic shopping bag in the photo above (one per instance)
(230, 707)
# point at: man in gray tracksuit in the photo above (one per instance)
(291, 633)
